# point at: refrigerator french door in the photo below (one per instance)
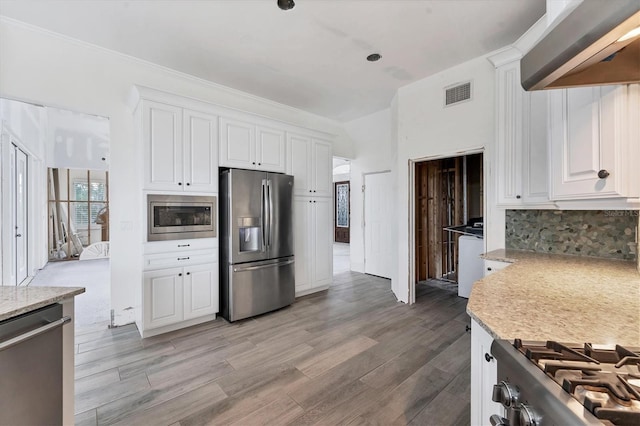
(256, 243)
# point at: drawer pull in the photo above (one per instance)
(184, 245)
(183, 258)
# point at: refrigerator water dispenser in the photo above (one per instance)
(249, 240)
(249, 233)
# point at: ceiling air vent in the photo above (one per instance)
(460, 92)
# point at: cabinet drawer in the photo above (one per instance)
(170, 260)
(179, 246)
(491, 266)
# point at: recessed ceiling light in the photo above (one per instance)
(374, 57)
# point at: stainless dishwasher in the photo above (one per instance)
(31, 367)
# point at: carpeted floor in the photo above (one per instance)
(94, 304)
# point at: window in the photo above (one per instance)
(85, 213)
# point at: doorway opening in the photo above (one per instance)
(61, 159)
(448, 208)
(341, 215)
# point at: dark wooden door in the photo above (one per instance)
(341, 211)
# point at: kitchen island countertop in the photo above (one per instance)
(557, 297)
(15, 301)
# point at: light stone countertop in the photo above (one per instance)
(15, 301)
(557, 297)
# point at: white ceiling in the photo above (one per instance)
(311, 57)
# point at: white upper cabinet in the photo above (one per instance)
(521, 149)
(247, 146)
(594, 142)
(237, 143)
(270, 150)
(181, 148)
(509, 138)
(309, 161)
(322, 160)
(200, 152)
(299, 163)
(535, 152)
(162, 133)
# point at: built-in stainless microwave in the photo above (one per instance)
(177, 217)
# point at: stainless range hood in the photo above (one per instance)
(587, 48)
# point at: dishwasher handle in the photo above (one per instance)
(33, 333)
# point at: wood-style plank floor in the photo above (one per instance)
(351, 355)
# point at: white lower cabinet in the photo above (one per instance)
(484, 374)
(492, 266)
(163, 297)
(313, 244)
(180, 288)
(200, 290)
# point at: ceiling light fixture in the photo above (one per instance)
(374, 57)
(286, 4)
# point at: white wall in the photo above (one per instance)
(374, 151)
(76, 140)
(427, 129)
(341, 177)
(57, 71)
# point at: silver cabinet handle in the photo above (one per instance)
(183, 258)
(33, 333)
(18, 235)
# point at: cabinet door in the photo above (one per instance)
(535, 159)
(322, 174)
(200, 152)
(322, 253)
(493, 266)
(270, 150)
(200, 290)
(237, 144)
(162, 301)
(299, 163)
(302, 228)
(509, 135)
(587, 130)
(484, 374)
(162, 134)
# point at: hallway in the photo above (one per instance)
(341, 260)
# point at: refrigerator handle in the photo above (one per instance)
(263, 214)
(270, 198)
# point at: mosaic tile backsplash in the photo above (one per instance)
(597, 233)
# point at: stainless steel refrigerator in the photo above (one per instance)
(256, 243)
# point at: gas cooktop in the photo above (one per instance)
(594, 384)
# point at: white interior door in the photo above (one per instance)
(19, 197)
(378, 224)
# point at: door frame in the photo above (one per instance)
(20, 255)
(35, 223)
(412, 206)
(335, 209)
